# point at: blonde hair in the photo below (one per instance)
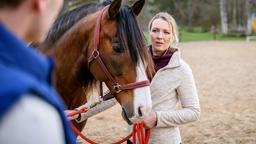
(173, 26)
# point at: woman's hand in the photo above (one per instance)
(69, 112)
(150, 120)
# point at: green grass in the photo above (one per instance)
(206, 36)
(192, 36)
(186, 36)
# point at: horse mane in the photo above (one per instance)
(63, 23)
(131, 38)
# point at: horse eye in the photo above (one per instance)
(116, 45)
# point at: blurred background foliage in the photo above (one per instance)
(197, 19)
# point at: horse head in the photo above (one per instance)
(123, 51)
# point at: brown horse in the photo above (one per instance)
(95, 43)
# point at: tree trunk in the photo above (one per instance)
(190, 10)
(180, 9)
(224, 17)
(248, 14)
(234, 15)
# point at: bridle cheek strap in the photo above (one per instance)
(96, 56)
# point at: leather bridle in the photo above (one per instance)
(116, 87)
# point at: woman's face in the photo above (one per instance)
(160, 35)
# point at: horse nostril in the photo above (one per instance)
(139, 111)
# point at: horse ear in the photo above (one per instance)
(137, 7)
(114, 8)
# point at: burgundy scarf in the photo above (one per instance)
(161, 61)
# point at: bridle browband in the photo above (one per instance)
(116, 87)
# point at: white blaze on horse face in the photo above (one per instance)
(142, 96)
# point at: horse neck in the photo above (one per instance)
(69, 60)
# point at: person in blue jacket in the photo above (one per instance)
(31, 112)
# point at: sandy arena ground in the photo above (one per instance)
(225, 74)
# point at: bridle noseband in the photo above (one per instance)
(116, 87)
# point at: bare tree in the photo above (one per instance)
(234, 14)
(224, 17)
(190, 11)
(179, 8)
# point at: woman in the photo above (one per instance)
(172, 83)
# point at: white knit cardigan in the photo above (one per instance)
(172, 84)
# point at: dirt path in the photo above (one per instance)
(225, 74)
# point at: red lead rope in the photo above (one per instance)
(142, 134)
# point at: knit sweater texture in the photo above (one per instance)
(171, 85)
